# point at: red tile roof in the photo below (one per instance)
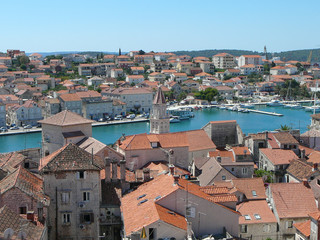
(248, 185)
(304, 227)
(70, 158)
(279, 156)
(292, 200)
(259, 207)
(65, 118)
(70, 97)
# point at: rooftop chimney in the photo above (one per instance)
(305, 183)
(123, 170)
(30, 216)
(171, 169)
(40, 212)
(315, 167)
(146, 174)
(114, 163)
(107, 162)
(267, 136)
(176, 179)
(303, 154)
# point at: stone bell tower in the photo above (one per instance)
(159, 119)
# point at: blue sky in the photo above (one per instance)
(165, 25)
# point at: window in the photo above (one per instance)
(232, 169)
(257, 216)
(318, 181)
(247, 217)
(244, 228)
(86, 196)
(223, 177)
(289, 224)
(244, 170)
(23, 210)
(266, 228)
(65, 197)
(66, 218)
(191, 212)
(86, 218)
(152, 233)
(81, 175)
(254, 193)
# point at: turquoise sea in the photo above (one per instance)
(249, 123)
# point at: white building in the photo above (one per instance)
(249, 59)
(136, 99)
(223, 61)
(134, 79)
(26, 114)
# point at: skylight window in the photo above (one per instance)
(257, 216)
(143, 201)
(141, 196)
(247, 217)
(254, 193)
(157, 197)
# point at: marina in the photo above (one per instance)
(109, 132)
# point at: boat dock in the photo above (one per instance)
(266, 113)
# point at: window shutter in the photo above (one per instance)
(92, 217)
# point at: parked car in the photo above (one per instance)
(108, 119)
(101, 120)
(3, 129)
(131, 116)
(118, 117)
(27, 127)
(14, 128)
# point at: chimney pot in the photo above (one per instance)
(114, 163)
(107, 161)
(171, 169)
(30, 216)
(146, 174)
(315, 166)
(305, 183)
(122, 170)
(176, 179)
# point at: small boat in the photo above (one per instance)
(274, 103)
(222, 107)
(245, 111)
(234, 108)
(175, 119)
(247, 105)
(315, 109)
(296, 106)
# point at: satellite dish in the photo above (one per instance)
(22, 235)
(8, 233)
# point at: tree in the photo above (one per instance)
(141, 52)
(23, 60)
(266, 175)
(23, 67)
(273, 64)
(285, 127)
(209, 94)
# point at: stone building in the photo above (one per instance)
(159, 119)
(224, 132)
(72, 181)
(63, 128)
(22, 192)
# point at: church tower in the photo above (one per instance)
(159, 119)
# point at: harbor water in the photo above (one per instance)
(249, 123)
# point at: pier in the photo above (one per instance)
(266, 113)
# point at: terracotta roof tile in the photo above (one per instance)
(26, 182)
(259, 207)
(65, 118)
(279, 156)
(285, 138)
(70, 158)
(304, 227)
(292, 200)
(249, 186)
(223, 198)
(159, 98)
(10, 219)
(314, 157)
(70, 97)
(300, 169)
(213, 190)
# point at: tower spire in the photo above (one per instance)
(159, 120)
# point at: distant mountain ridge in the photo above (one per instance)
(299, 55)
